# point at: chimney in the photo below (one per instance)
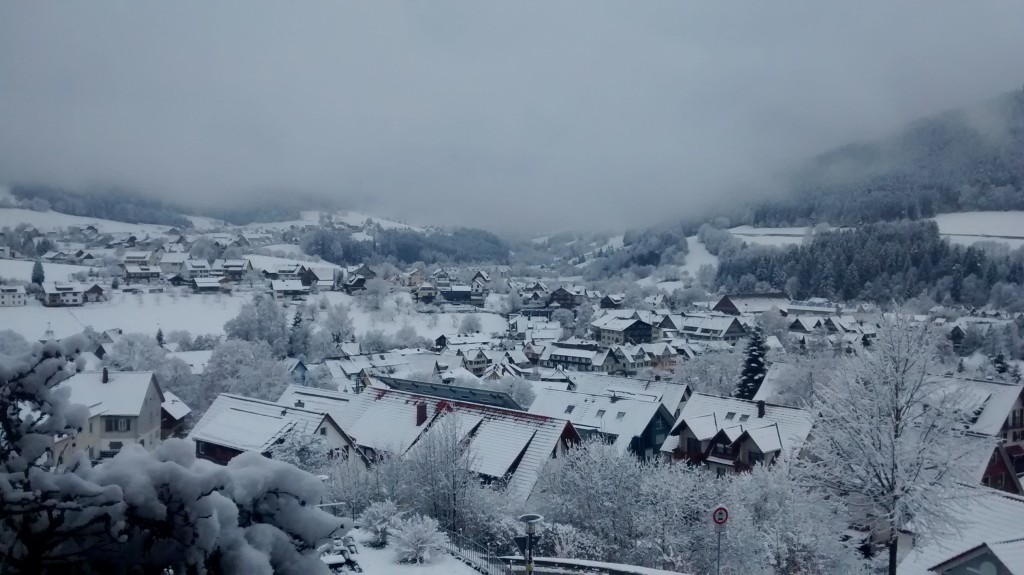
(657, 378)
(760, 409)
(106, 376)
(421, 414)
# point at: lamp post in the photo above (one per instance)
(531, 520)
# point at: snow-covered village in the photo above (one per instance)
(454, 289)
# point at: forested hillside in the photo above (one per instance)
(962, 160)
(117, 205)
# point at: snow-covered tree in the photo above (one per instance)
(443, 468)
(891, 439)
(38, 277)
(261, 320)
(375, 293)
(377, 520)
(754, 366)
(335, 329)
(12, 342)
(135, 352)
(150, 512)
(160, 337)
(350, 483)
(310, 453)
(375, 341)
(470, 324)
(711, 372)
(299, 337)
(245, 368)
(519, 389)
(417, 539)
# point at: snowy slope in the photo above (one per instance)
(393, 317)
(132, 313)
(966, 228)
(357, 219)
(769, 236)
(48, 221)
(22, 270)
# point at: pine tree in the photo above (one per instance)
(160, 337)
(999, 362)
(114, 284)
(38, 277)
(754, 367)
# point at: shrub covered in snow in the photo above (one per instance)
(417, 539)
(376, 520)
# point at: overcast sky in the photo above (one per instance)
(506, 115)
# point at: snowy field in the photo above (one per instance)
(398, 312)
(382, 562)
(695, 258)
(22, 270)
(287, 248)
(770, 236)
(969, 227)
(49, 221)
(199, 314)
(357, 219)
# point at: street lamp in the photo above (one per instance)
(531, 520)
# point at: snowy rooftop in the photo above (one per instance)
(174, 406)
(124, 393)
(287, 285)
(794, 425)
(333, 403)
(993, 518)
(992, 400)
(250, 424)
(623, 418)
(386, 420)
(778, 373)
(668, 393)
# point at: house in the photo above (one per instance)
(234, 270)
(354, 284)
(610, 330)
(814, 306)
(321, 278)
(481, 276)
(703, 328)
(453, 392)
(128, 406)
(672, 395)
(569, 297)
(456, 293)
(136, 273)
(196, 360)
(296, 368)
(95, 293)
(288, 288)
(235, 424)
(361, 270)
(12, 296)
(747, 304)
(7, 253)
(612, 301)
(728, 434)
(174, 415)
(411, 278)
(351, 369)
(629, 424)
(284, 272)
(509, 446)
(464, 340)
(140, 258)
(62, 295)
(986, 528)
(211, 285)
(425, 292)
(327, 401)
(195, 269)
(172, 262)
(575, 357)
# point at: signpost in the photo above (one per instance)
(531, 539)
(720, 516)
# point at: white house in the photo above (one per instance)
(11, 296)
(124, 408)
(58, 295)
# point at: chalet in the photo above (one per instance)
(354, 284)
(576, 358)
(456, 293)
(171, 263)
(719, 328)
(137, 258)
(443, 278)
(284, 272)
(474, 360)
(296, 368)
(611, 330)
(62, 295)
(412, 278)
(125, 409)
(320, 278)
(288, 288)
(501, 370)
(519, 326)
(12, 296)
(351, 369)
(235, 424)
(479, 291)
(234, 270)
(135, 273)
(569, 297)
(425, 292)
(728, 434)
(95, 293)
(57, 256)
(804, 324)
(470, 339)
(193, 269)
(211, 285)
(612, 301)
(746, 304)
(361, 270)
(632, 425)
(508, 446)
(174, 415)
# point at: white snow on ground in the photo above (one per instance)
(361, 237)
(266, 262)
(966, 228)
(288, 248)
(203, 223)
(199, 314)
(382, 562)
(769, 236)
(48, 221)
(22, 270)
(390, 318)
(697, 256)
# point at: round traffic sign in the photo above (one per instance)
(720, 516)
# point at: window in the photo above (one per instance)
(115, 445)
(569, 408)
(600, 413)
(117, 424)
(730, 415)
(323, 431)
(693, 445)
(744, 418)
(201, 447)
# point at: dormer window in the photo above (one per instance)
(600, 413)
(620, 415)
(729, 416)
(569, 408)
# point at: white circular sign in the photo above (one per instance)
(720, 516)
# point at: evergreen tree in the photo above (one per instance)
(38, 277)
(160, 337)
(754, 367)
(999, 362)
(115, 284)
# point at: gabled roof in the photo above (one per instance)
(794, 424)
(124, 394)
(287, 285)
(333, 403)
(993, 516)
(175, 407)
(668, 393)
(59, 288)
(248, 424)
(454, 392)
(609, 414)
(385, 420)
(992, 401)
